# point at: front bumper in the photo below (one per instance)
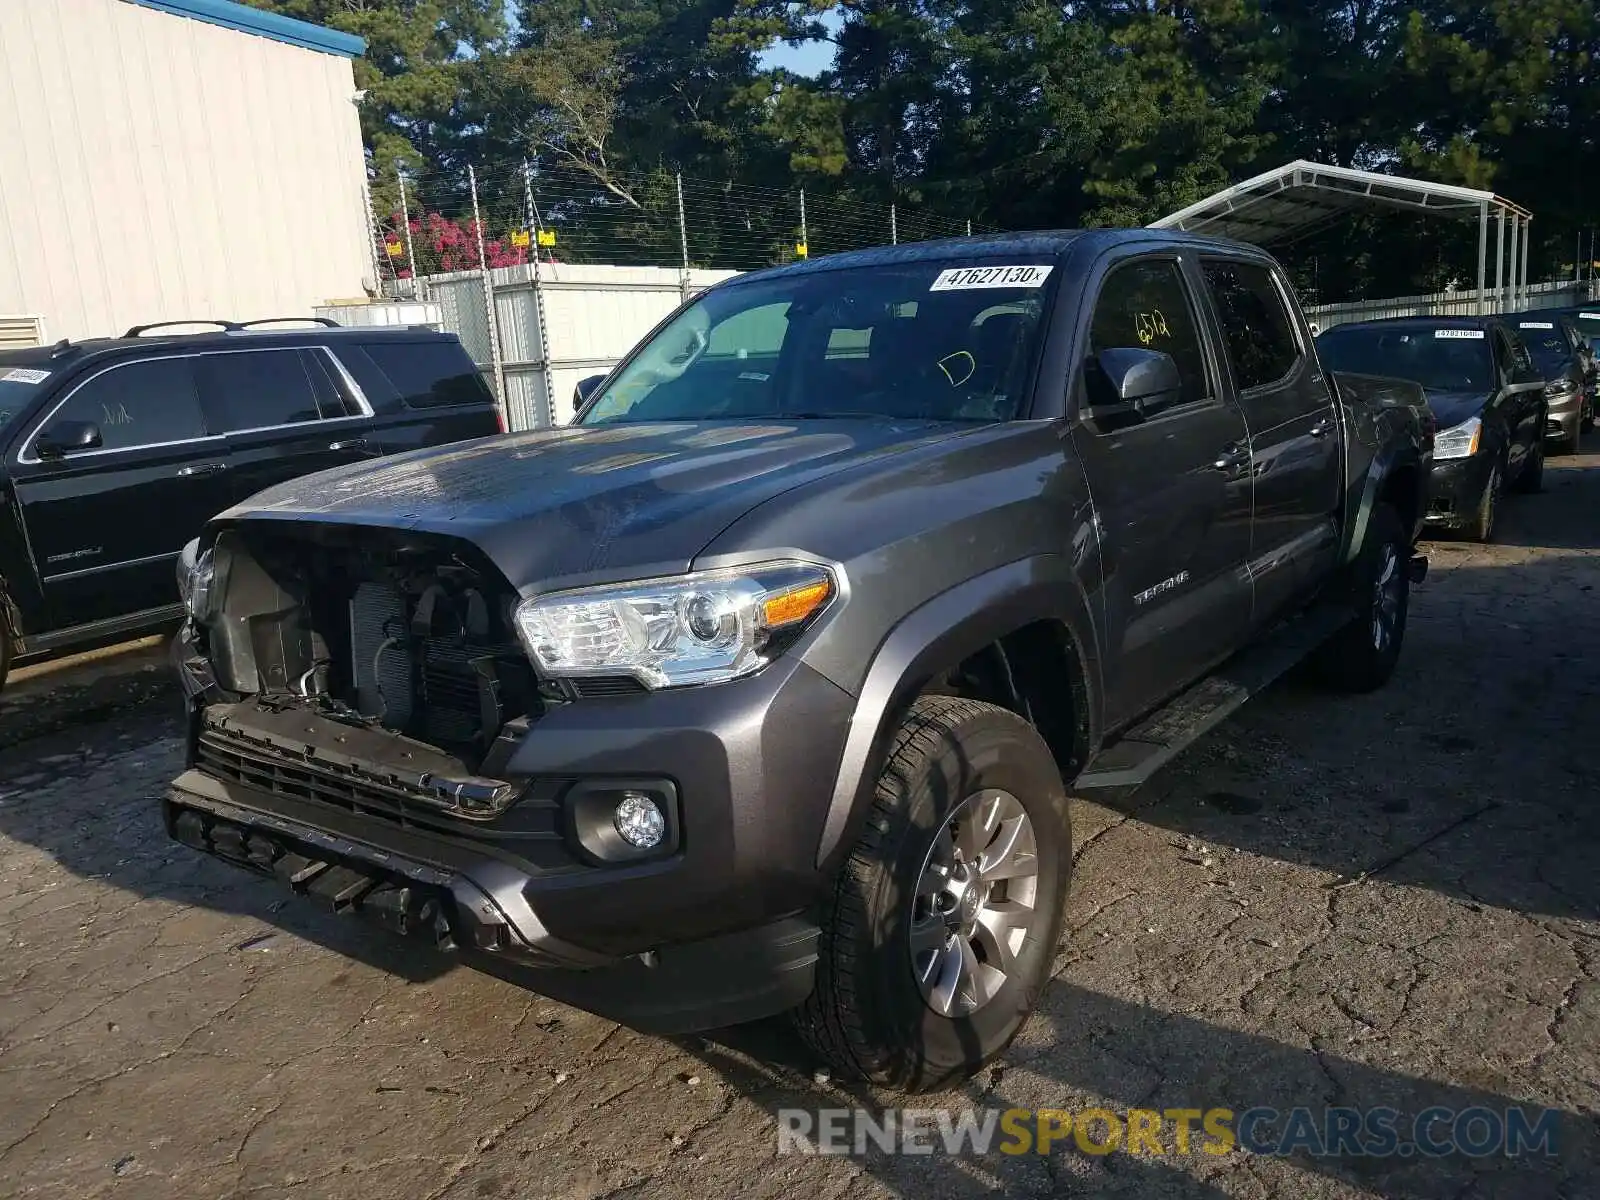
(1455, 489)
(1563, 420)
(751, 765)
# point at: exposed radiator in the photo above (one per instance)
(382, 674)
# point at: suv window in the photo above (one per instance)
(1255, 325)
(430, 374)
(257, 390)
(145, 403)
(754, 333)
(1145, 306)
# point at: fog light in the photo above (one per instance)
(639, 821)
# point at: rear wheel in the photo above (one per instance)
(939, 933)
(1362, 655)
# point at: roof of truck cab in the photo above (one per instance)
(1035, 244)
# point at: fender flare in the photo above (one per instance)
(951, 626)
(1383, 465)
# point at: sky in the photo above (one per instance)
(810, 58)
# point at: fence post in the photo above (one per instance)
(411, 251)
(894, 227)
(805, 234)
(545, 372)
(683, 241)
(488, 301)
(372, 238)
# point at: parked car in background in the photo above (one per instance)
(1565, 359)
(114, 452)
(1486, 393)
(761, 687)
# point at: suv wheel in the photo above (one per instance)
(940, 930)
(1362, 655)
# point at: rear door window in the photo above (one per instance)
(149, 403)
(262, 389)
(433, 374)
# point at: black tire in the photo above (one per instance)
(7, 651)
(867, 1015)
(1532, 478)
(1480, 528)
(1355, 659)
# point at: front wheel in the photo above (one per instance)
(940, 930)
(1532, 478)
(1481, 527)
(1362, 655)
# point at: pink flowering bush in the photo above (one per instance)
(442, 244)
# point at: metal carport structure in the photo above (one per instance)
(1283, 206)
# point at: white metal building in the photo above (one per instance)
(170, 159)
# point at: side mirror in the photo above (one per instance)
(66, 437)
(1133, 381)
(585, 389)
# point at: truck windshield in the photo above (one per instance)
(1549, 347)
(1441, 360)
(950, 340)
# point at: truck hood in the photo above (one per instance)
(1452, 408)
(559, 504)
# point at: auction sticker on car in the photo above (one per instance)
(24, 375)
(960, 279)
(1475, 335)
(1536, 325)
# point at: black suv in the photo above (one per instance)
(116, 451)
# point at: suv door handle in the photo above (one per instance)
(202, 469)
(1322, 428)
(1235, 457)
(359, 443)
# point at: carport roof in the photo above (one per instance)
(1298, 199)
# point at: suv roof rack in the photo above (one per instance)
(141, 330)
(327, 322)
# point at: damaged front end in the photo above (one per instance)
(346, 680)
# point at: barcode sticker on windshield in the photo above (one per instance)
(1475, 335)
(1537, 325)
(24, 375)
(1589, 316)
(960, 279)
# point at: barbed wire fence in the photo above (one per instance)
(538, 272)
(512, 214)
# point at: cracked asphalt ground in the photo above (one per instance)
(1388, 900)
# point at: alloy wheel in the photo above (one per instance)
(1386, 591)
(974, 903)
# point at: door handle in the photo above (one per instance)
(1322, 428)
(359, 443)
(202, 469)
(1234, 458)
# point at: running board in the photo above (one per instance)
(1169, 731)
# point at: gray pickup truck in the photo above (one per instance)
(762, 686)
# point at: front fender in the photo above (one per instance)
(941, 632)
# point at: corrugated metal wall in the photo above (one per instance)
(154, 167)
(593, 315)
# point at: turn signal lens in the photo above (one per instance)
(796, 604)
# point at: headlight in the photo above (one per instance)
(1561, 387)
(196, 580)
(706, 627)
(1459, 441)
